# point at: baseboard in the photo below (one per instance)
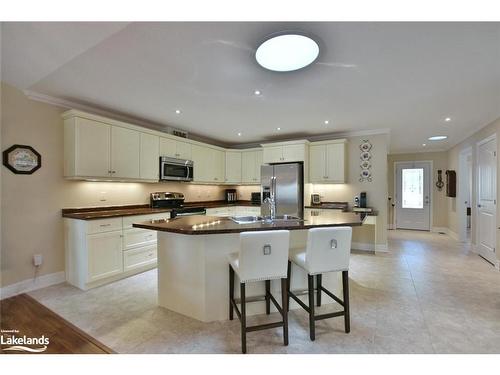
(32, 284)
(445, 230)
(391, 226)
(369, 247)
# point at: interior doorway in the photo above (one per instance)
(413, 195)
(464, 200)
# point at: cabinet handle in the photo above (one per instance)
(113, 171)
(104, 225)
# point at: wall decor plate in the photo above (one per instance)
(365, 145)
(22, 159)
(365, 175)
(365, 156)
(365, 164)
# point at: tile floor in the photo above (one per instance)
(429, 294)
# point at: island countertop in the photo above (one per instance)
(199, 225)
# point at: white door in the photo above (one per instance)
(486, 199)
(413, 201)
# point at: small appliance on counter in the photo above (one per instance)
(231, 196)
(256, 198)
(360, 201)
(175, 201)
(315, 199)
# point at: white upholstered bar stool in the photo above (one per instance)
(262, 256)
(327, 250)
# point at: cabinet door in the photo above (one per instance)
(233, 167)
(217, 167)
(258, 163)
(273, 154)
(248, 166)
(105, 256)
(150, 156)
(183, 150)
(335, 162)
(201, 158)
(125, 152)
(294, 152)
(168, 147)
(92, 148)
(317, 163)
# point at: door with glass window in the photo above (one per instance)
(413, 200)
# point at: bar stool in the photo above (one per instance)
(262, 256)
(327, 250)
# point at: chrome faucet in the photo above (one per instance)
(271, 202)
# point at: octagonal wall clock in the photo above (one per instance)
(22, 159)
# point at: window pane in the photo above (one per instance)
(413, 188)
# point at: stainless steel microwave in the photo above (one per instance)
(172, 169)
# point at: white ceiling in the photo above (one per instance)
(406, 77)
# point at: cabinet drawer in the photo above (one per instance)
(138, 237)
(104, 225)
(129, 220)
(139, 257)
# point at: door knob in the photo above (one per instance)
(479, 205)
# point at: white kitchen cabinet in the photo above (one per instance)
(233, 167)
(105, 258)
(149, 157)
(87, 145)
(285, 152)
(140, 258)
(125, 152)
(251, 162)
(208, 164)
(175, 149)
(327, 161)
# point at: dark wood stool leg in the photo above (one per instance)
(284, 307)
(345, 289)
(268, 298)
(231, 292)
(318, 289)
(310, 286)
(243, 319)
(288, 278)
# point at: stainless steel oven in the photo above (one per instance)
(172, 169)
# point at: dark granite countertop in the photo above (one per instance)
(92, 213)
(199, 225)
(337, 206)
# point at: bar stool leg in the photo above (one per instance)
(345, 290)
(310, 286)
(243, 319)
(288, 281)
(284, 307)
(318, 289)
(268, 298)
(231, 292)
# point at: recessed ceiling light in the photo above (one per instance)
(424, 144)
(239, 134)
(447, 119)
(437, 138)
(278, 129)
(257, 92)
(178, 111)
(287, 52)
(327, 122)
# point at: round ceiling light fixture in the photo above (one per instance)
(438, 138)
(286, 52)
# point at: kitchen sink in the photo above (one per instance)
(255, 219)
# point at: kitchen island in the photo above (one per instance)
(193, 269)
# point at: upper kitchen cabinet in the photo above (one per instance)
(233, 167)
(327, 161)
(208, 164)
(175, 149)
(285, 152)
(125, 152)
(250, 166)
(150, 156)
(87, 145)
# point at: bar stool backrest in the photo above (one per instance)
(263, 255)
(328, 249)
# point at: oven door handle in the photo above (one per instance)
(188, 168)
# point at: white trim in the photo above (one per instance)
(431, 191)
(446, 231)
(462, 171)
(361, 246)
(32, 284)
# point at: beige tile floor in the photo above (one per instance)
(429, 294)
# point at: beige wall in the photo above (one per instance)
(439, 161)
(31, 204)
(453, 157)
(376, 190)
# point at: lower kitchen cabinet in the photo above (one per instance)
(105, 250)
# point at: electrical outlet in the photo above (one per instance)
(37, 260)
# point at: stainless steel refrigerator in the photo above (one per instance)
(286, 182)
